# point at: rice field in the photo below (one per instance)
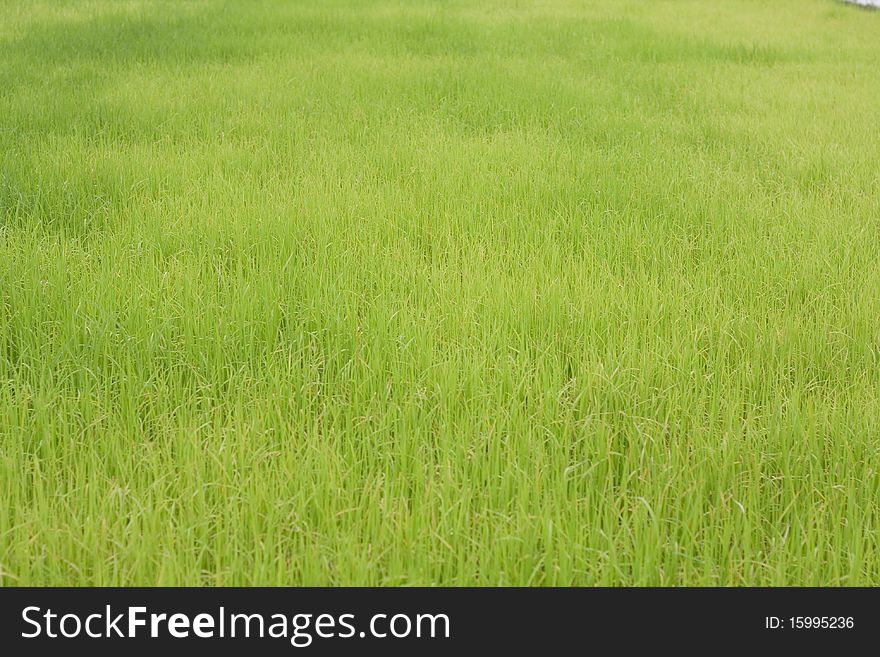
(508, 292)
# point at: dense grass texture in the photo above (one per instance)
(439, 293)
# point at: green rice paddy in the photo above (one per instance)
(439, 293)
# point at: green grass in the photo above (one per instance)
(439, 293)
